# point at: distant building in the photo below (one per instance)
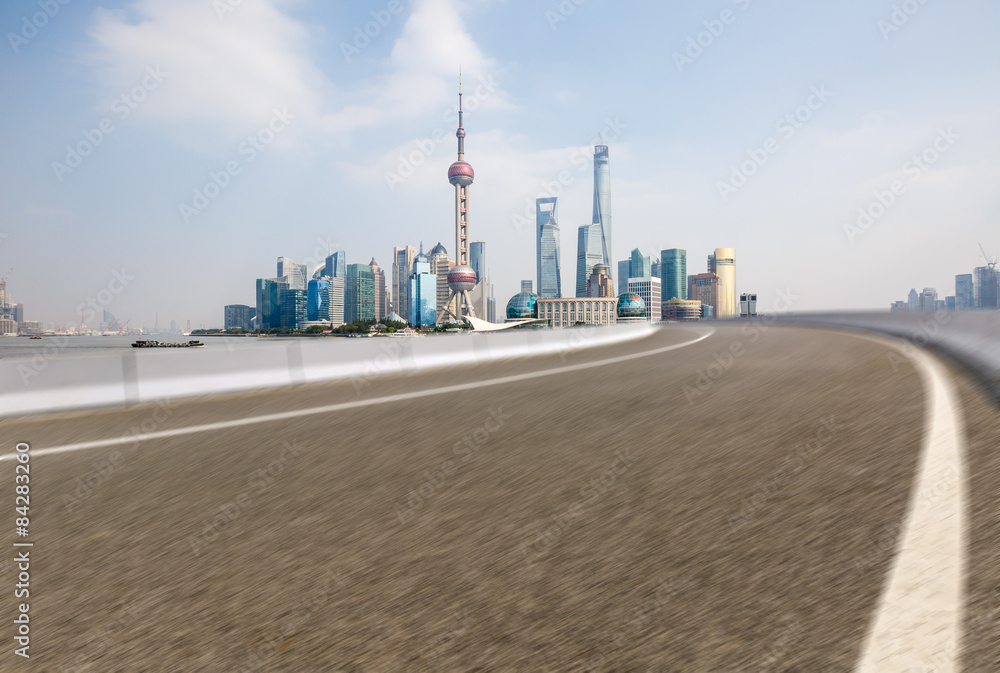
(927, 300)
(639, 265)
(681, 309)
(292, 305)
(336, 265)
(359, 294)
(547, 257)
(526, 286)
(704, 287)
(913, 300)
(673, 273)
(950, 303)
(600, 283)
(296, 275)
(965, 297)
(381, 292)
(748, 305)
(589, 252)
(335, 300)
(318, 299)
(18, 312)
(656, 270)
(239, 316)
(987, 287)
(899, 306)
(441, 264)
(423, 293)
(559, 312)
(725, 269)
(477, 260)
(268, 303)
(649, 289)
(402, 269)
(602, 204)
(707, 312)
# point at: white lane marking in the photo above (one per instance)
(919, 619)
(342, 406)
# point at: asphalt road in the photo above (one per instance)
(732, 505)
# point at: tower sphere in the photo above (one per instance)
(461, 173)
(462, 278)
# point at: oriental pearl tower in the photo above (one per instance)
(462, 278)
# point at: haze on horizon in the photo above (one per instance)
(883, 83)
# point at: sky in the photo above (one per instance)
(159, 155)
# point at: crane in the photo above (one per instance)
(992, 263)
(7, 275)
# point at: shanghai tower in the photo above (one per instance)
(602, 199)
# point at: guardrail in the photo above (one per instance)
(131, 376)
(970, 337)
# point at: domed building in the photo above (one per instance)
(631, 308)
(522, 306)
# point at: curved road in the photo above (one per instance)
(732, 504)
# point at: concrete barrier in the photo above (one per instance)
(70, 381)
(970, 337)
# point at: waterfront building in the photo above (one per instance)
(704, 287)
(359, 294)
(296, 275)
(318, 299)
(423, 293)
(238, 316)
(681, 309)
(336, 265)
(402, 269)
(561, 312)
(268, 302)
(381, 291)
(335, 300)
(292, 307)
(522, 306)
(725, 269)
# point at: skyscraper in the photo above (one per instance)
(623, 269)
(336, 265)
(378, 276)
(588, 254)
(547, 254)
(600, 283)
(268, 302)
(965, 298)
(477, 258)
(526, 286)
(336, 300)
(238, 316)
(318, 299)
(639, 266)
(441, 266)
(928, 299)
(987, 286)
(462, 278)
(359, 293)
(673, 273)
(602, 201)
(296, 274)
(292, 308)
(402, 268)
(649, 289)
(704, 287)
(422, 293)
(913, 300)
(725, 268)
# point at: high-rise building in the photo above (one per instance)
(336, 265)
(600, 283)
(296, 274)
(950, 303)
(318, 299)
(704, 287)
(588, 254)
(547, 256)
(238, 316)
(711, 262)
(359, 294)
(526, 286)
(987, 286)
(335, 300)
(623, 268)
(481, 293)
(441, 266)
(292, 307)
(639, 266)
(649, 289)
(381, 292)
(673, 273)
(928, 299)
(402, 268)
(462, 278)
(268, 302)
(965, 297)
(913, 300)
(477, 258)
(725, 269)
(602, 201)
(422, 293)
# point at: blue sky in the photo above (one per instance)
(181, 85)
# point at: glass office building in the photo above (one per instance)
(268, 302)
(292, 307)
(359, 294)
(318, 299)
(673, 273)
(602, 201)
(423, 294)
(336, 265)
(547, 249)
(588, 255)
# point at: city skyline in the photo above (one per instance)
(338, 149)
